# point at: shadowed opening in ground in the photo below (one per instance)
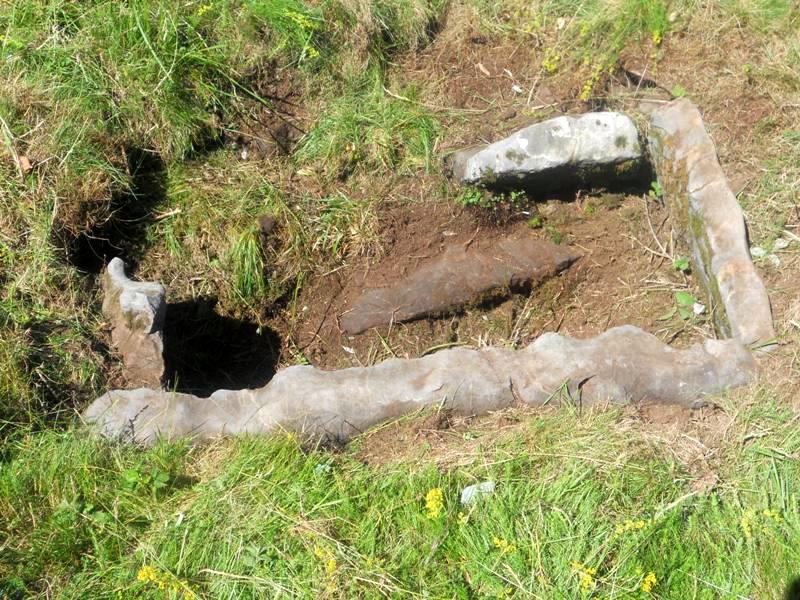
(123, 232)
(205, 351)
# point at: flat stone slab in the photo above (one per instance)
(461, 275)
(136, 310)
(562, 152)
(622, 365)
(708, 219)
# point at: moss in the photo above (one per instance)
(621, 142)
(516, 156)
(688, 224)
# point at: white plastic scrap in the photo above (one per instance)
(476, 491)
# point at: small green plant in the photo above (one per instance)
(681, 264)
(554, 234)
(536, 222)
(152, 479)
(471, 196)
(678, 91)
(655, 191)
(686, 307)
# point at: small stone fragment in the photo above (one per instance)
(136, 310)
(459, 276)
(562, 152)
(476, 492)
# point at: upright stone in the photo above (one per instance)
(593, 148)
(708, 219)
(136, 310)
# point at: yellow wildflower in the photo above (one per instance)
(462, 518)
(303, 21)
(551, 60)
(204, 8)
(146, 574)
(772, 514)
(658, 37)
(504, 546)
(585, 575)
(630, 525)
(747, 523)
(649, 582)
(328, 559)
(434, 502)
(164, 580)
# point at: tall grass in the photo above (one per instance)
(585, 506)
(368, 129)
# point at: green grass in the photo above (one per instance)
(367, 129)
(86, 85)
(262, 517)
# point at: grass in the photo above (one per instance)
(366, 129)
(586, 505)
(254, 517)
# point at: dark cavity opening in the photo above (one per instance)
(205, 351)
(123, 232)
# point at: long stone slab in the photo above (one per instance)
(708, 219)
(460, 275)
(622, 365)
(136, 311)
(566, 151)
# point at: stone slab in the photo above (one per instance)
(561, 152)
(620, 366)
(709, 221)
(136, 310)
(459, 276)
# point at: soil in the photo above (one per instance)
(616, 281)
(624, 276)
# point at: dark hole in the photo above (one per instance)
(205, 351)
(793, 590)
(122, 232)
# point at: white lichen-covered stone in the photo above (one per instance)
(573, 149)
(136, 310)
(709, 220)
(622, 365)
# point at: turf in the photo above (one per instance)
(586, 505)
(116, 123)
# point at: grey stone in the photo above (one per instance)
(586, 149)
(476, 492)
(459, 276)
(708, 219)
(622, 365)
(136, 310)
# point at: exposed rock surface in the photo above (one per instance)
(136, 310)
(591, 148)
(708, 218)
(622, 365)
(460, 275)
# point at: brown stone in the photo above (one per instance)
(459, 276)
